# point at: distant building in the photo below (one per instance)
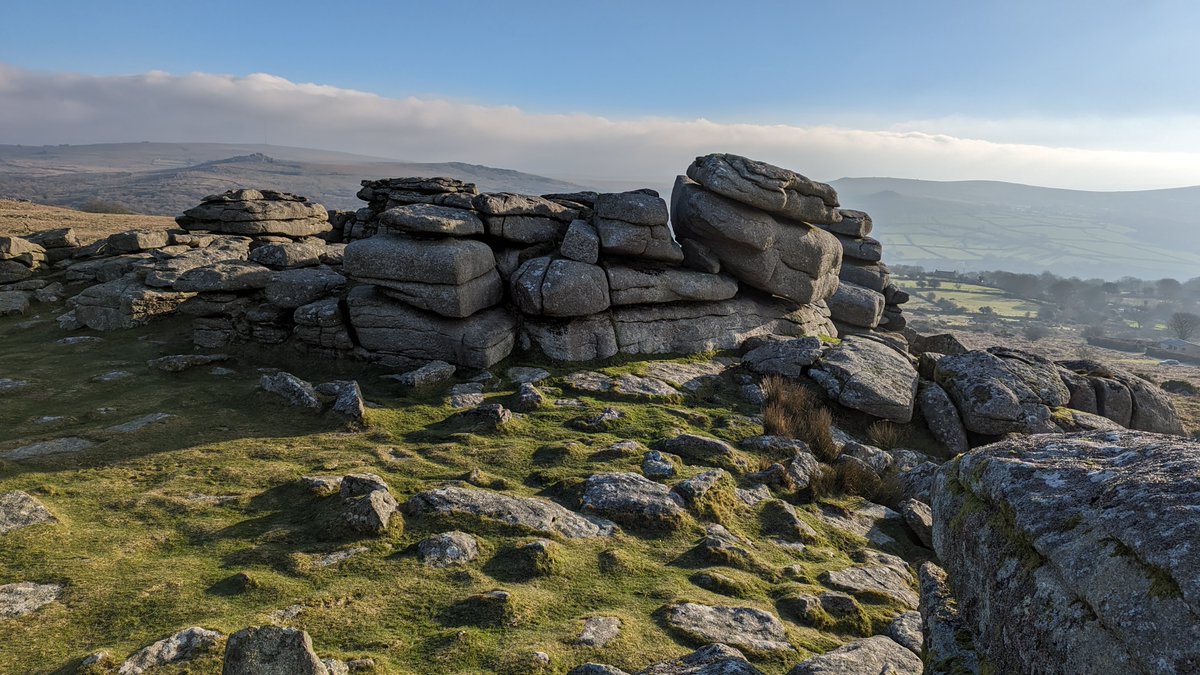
(1180, 347)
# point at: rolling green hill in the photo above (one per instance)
(978, 225)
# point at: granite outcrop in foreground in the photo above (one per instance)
(1076, 550)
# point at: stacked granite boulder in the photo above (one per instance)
(19, 259)
(866, 298)
(451, 274)
(432, 287)
(757, 222)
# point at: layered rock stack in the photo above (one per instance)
(866, 298)
(451, 274)
(19, 259)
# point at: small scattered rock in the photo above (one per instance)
(26, 597)
(746, 627)
(529, 398)
(178, 363)
(526, 375)
(447, 549)
(869, 656)
(489, 416)
(466, 395)
(139, 423)
(271, 650)
(112, 376)
(598, 631)
(657, 466)
(434, 372)
(292, 389)
(184, 645)
(58, 446)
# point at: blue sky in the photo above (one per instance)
(1109, 75)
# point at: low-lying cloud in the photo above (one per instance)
(50, 108)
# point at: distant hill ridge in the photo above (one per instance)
(132, 174)
(959, 225)
(978, 225)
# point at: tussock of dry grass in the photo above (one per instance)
(795, 411)
(886, 435)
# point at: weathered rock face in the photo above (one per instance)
(856, 305)
(871, 656)
(634, 224)
(697, 327)
(790, 259)
(1120, 396)
(647, 285)
(942, 417)
(743, 627)
(257, 212)
(1076, 550)
(124, 303)
(271, 650)
(564, 287)
(1000, 390)
(524, 219)
(867, 375)
(766, 187)
(394, 328)
(632, 500)
(430, 219)
(452, 277)
(537, 515)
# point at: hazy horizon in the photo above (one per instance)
(1017, 92)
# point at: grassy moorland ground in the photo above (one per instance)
(22, 218)
(155, 524)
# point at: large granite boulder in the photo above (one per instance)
(452, 277)
(1001, 390)
(563, 287)
(1076, 550)
(637, 285)
(868, 375)
(941, 416)
(430, 219)
(787, 258)
(257, 212)
(125, 303)
(524, 219)
(688, 328)
(856, 305)
(766, 187)
(394, 328)
(1120, 396)
(634, 224)
(226, 276)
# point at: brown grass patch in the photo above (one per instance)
(24, 218)
(795, 411)
(886, 435)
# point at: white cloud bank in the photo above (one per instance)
(50, 108)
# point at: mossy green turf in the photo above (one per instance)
(143, 554)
